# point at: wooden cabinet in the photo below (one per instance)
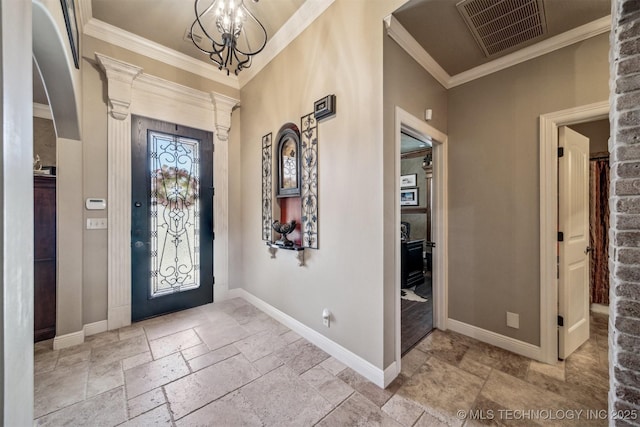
(411, 263)
(44, 278)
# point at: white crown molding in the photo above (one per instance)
(549, 45)
(398, 33)
(42, 111)
(295, 25)
(126, 40)
(84, 13)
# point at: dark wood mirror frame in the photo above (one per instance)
(289, 171)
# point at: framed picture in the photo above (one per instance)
(409, 197)
(408, 180)
(325, 107)
(69, 12)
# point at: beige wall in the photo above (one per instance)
(94, 160)
(346, 274)
(44, 141)
(494, 206)
(409, 86)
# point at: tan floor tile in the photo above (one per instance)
(198, 350)
(106, 409)
(145, 402)
(212, 357)
(497, 358)
(442, 389)
(216, 336)
(159, 372)
(290, 337)
(443, 345)
(428, 420)
(301, 356)
(119, 350)
(358, 411)
(330, 387)
(104, 377)
(555, 371)
(59, 388)
(231, 410)
(403, 410)
(473, 367)
(202, 387)
(267, 363)
(173, 343)
(247, 313)
(412, 361)
(265, 324)
(102, 338)
(73, 359)
(45, 361)
(365, 387)
(177, 322)
(137, 360)
(333, 365)
(130, 331)
(258, 345)
(159, 416)
(282, 398)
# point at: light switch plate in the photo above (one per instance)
(96, 223)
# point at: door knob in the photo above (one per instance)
(138, 244)
(588, 249)
(137, 204)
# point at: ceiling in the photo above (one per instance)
(166, 21)
(440, 29)
(436, 25)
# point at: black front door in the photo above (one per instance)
(171, 217)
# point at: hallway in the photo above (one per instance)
(229, 364)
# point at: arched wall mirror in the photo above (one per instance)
(288, 170)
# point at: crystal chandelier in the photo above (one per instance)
(228, 32)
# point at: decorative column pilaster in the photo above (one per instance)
(223, 105)
(120, 76)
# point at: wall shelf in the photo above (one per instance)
(299, 250)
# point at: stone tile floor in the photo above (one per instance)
(229, 364)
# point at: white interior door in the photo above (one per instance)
(573, 223)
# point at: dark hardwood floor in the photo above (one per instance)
(416, 318)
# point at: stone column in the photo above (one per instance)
(223, 105)
(624, 252)
(120, 78)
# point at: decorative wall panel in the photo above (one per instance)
(309, 199)
(267, 196)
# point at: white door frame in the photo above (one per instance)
(549, 124)
(439, 221)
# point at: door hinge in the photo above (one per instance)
(560, 321)
(214, 280)
(560, 236)
(213, 236)
(560, 151)
(213, 191)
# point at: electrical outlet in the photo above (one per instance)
(513, 320)
(96, 223)
(326, 317)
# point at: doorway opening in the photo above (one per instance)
(549, 219)
(416, 256)
(434, 257)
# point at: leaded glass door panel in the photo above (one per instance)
(171, 217)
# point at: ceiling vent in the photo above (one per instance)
(188, 37)
(499, 25)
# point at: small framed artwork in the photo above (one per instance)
(409, 197)
(69, 12)
(325, 107)
(408, 180)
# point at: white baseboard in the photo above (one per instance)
(366, 369)
(391, 373)
(511, 344)
(95, 328)
(68, 340)
(600, 308)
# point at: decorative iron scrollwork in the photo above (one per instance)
(309, 199)
(267, 211)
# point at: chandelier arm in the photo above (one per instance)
(215, 45)
(264, 31)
